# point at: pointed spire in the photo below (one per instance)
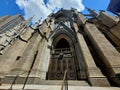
(92, 12)
(29, 20)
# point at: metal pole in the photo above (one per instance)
(64, 79)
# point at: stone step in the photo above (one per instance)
(59, 82)
(21, 80)
(54, 87)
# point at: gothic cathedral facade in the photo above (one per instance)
(66, 46)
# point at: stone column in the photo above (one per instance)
(41, 64)
(107, 19)
(7, 60)
(24, 64)
(116, 34)
(110, 57)
(95, 77)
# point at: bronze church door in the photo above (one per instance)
(61, 60)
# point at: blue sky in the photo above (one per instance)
(9, 7)
(28, 7)
(96, 4)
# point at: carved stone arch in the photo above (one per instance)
(66, 34)
(71, 53)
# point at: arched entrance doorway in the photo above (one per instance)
(62, 59)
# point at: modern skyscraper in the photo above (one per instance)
(114, 6)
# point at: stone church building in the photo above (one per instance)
(67, 51)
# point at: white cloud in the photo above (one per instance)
(40, 9)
